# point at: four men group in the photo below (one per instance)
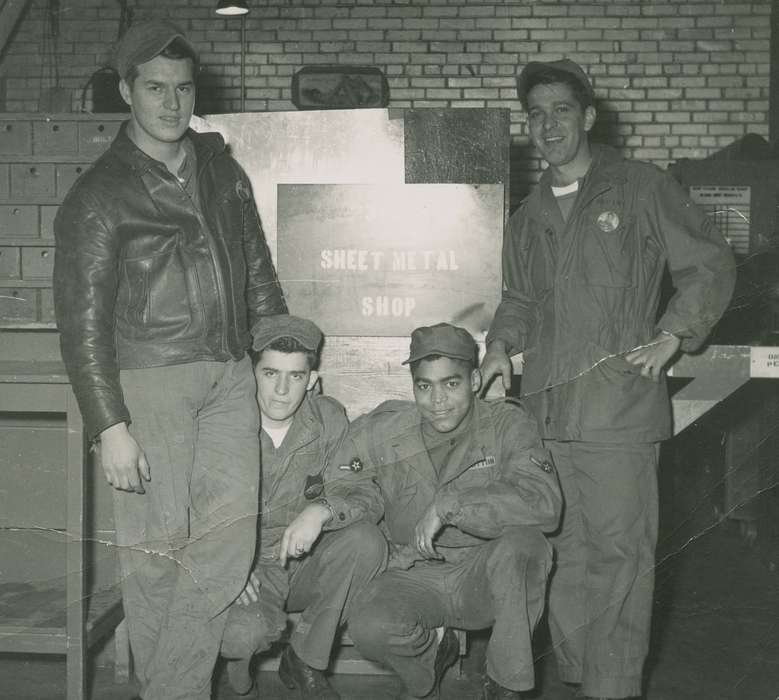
(421, 517)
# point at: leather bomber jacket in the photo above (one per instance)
(144, 278)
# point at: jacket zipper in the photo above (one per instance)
(219, 279)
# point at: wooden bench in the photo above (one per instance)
(345, 657)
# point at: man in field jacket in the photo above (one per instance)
(319, 544)
(467, 491)
(583, 261)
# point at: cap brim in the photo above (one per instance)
(437, 353)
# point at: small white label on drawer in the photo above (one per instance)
(764, 362)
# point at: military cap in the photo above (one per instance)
(442, 339)
(565, 65)
(145, 40)
(271, 328)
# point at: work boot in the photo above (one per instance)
(310, 682)
(492, 690)
(446, 654)
(240, 677)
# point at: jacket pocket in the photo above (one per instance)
(619, 398)
(608, 251)
(160, 298)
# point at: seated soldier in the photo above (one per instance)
(318, 543)
(468, 490)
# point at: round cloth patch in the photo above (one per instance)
(608, 221)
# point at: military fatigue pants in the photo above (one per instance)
(600, 597)
(501, 583)
(186, 546)
(321, 585)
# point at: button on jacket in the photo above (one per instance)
(145, 278)
(580, 294)
(497, 476)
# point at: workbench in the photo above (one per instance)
(55, 619)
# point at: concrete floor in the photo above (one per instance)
(716, 637)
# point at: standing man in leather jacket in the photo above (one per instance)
(161, 266)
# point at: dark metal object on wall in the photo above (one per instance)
(106, 97)
(339, 87)
(456, 145)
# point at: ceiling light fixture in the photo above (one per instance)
(232, 7)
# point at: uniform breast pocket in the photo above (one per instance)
(608, 251)
(478, 475)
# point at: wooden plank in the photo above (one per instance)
(26, 397)
(26, 640)
(345, 660)
(104, 615)
(76, 589)
(14, 372)
(122, 664)
(715, 359)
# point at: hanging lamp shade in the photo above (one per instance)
(232, 7)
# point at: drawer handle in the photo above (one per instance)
(8, 127)
(33, 171)
(16, 211)
(44, 253)
(55, 127)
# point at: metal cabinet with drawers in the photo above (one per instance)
(41, 156)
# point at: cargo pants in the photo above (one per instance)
(321, 586)
(501, 583)
(600, 593)
(185, 546)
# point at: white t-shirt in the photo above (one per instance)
(565, 197)
(277, 435)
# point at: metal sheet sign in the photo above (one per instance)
(764, 362)
(308, 147)
(383, 259)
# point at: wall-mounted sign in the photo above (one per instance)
(764, 362)
(379, 260)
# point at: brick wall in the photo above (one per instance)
(674, 79)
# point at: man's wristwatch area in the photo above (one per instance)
(324, 502)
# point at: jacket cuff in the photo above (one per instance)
(343, 513)
(99, 421)
(448, 507)
(690, 341)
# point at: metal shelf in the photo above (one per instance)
(69, 619)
